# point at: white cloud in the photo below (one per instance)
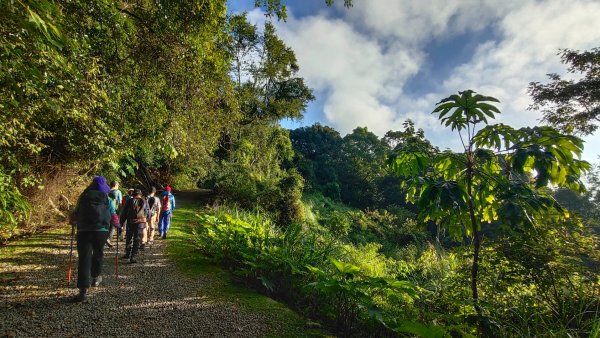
(353, 69)
(531, 37)
(417, 22)
(362, 61)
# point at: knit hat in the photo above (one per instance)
(168, 188)
(99, 183)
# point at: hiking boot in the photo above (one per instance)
(164, 236)
(96, 281)
(143, 246)
(132, 260)
(81, 297)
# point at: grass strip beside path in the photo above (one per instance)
(283, 322)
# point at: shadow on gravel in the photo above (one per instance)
(149, 299)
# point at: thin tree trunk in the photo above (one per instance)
(475, 268)
(476, 240)
(476, 248)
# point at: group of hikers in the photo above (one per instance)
(103, 211)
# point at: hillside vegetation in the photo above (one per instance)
(370, 236)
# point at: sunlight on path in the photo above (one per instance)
(150, 298)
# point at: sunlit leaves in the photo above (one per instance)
(14, 208)
(265, 70)
(548, 156)
(508, 166)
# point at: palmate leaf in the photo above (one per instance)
(409, 163)
(452, 97)
(426, 196)
(444, 108)
(550, 155)
(480, 98)
(466, 108)
(487, 109)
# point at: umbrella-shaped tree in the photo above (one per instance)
(496, 178)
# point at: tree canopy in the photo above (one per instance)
(572, 105)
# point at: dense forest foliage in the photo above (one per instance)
(370, 236)
(166, 92)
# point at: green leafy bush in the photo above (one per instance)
(348, 296)
(258, 250)
(14, 208)
(371, 262)
(281, 261)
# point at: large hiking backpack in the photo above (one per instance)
(166, 202)
(138, 212)
(153, 203)
(93, 211)
(112, 197)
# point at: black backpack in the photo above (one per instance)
(138, 212)
(152, 205)
(92, 213)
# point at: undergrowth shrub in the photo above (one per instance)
(305, 267)
(351, 299)
(371, 262)
(258, 250)
(44, 205)
(14, 208)
(279, 195)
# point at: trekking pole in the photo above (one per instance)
(117, 258)
(70, 256)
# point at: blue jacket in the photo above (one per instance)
(171, 201)
(116, 199)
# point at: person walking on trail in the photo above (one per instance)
(155, 206)
(127, 197)
(92, 216)
(136, 213)
(124, 199)
(115, 196)
(167, 206)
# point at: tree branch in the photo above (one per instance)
(135, 16)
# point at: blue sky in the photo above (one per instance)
(382, 62)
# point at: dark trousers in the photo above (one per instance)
(132, 239)
(90, 248)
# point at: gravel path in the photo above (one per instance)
(150, 298)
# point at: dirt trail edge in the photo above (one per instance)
(151, 298)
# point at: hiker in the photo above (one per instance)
(154, 206)
(127, 197)
(92, 216)
(124, 200)
(167, 207)
(115, 197)
(136, 213)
